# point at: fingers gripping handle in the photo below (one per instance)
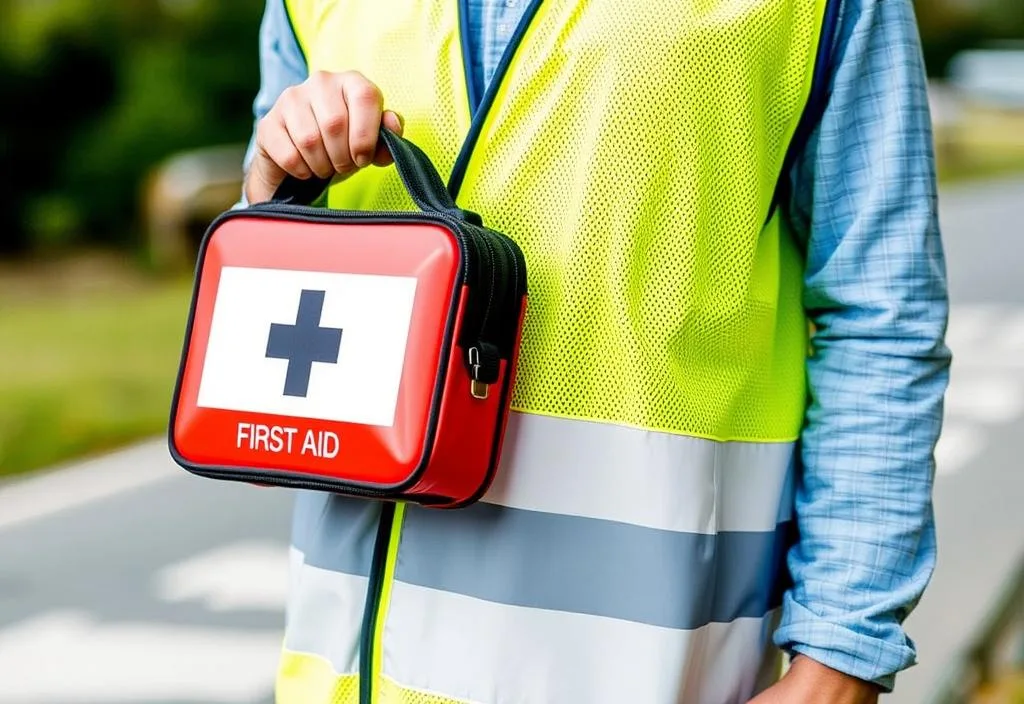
(414, 167)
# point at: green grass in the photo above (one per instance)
(1007, 690)
(981, 169)
(986, 143)
(87, 369)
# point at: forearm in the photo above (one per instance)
(281, 65)
(863, 505)
(875, 289)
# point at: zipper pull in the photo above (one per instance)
(484, 363)
(471, 217)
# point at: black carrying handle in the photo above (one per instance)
(417, 172)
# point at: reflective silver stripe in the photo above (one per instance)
(334, 532)
(484, 652)
(646, 478)
(325, 610)
(596, 519)
(589, 566)
(668, 544)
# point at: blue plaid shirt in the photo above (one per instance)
(864, 202)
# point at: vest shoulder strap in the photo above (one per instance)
(821, 91)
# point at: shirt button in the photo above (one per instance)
(503, 28)
(510, 3)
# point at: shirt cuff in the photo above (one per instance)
(865, 657)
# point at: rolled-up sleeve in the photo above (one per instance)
(281, 65)
(864, 199)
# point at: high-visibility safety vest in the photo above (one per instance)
(631, 548)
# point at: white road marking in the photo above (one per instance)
(986, 381)
(970, 326)
(986, 336)
(67, 657)
(990, 360)
(986, 399)
(68, 487)
(958, 445)
(248, 575)
(1010, 338)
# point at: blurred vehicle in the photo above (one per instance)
(978, 112)
(993, 76)
(183, 194)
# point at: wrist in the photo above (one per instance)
(824, 684)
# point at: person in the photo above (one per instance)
(733, 363)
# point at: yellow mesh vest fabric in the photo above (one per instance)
(392, 693)
(632, 150)
(307, 679)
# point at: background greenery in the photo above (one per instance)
(97, 91)
(951, 26)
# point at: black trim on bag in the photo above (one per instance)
(463, 232)
(492, 466)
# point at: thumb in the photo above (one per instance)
(263, 179)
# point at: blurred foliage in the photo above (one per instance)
(950, 26)
(100, 92)
(97, 91)
(96, 345)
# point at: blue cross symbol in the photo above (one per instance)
(303, 343)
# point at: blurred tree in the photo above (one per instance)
(950, 26)
(104, 91)
(46, 105)
(97, 91)
(190, 85)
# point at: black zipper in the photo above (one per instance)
(373, 593)
(317, 214)
(506, 334)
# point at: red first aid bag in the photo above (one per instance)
(362, 353)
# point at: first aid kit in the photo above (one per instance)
(362, 353)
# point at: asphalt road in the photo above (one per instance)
(128, 580)
(157, 591)
(979, 491)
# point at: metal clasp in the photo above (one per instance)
(477, 389)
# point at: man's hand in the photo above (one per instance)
(810, 682)
(328, 125)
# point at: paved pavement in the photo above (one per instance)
(162, 590)
(979, 492)
(128, 580)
